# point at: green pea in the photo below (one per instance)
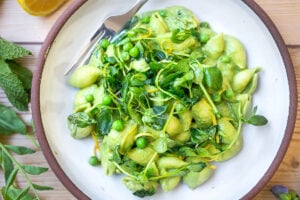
(141, 142)
(89, 98)
(145, 19)
(134, 52)
(104, 43)
(93, 160)
(127, 46)
(118, 125)
(106, 100)
(204, 38)
(225, 59)
(163, 13)
(229, 94)
(125, 56)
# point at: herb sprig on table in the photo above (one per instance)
(15, 80)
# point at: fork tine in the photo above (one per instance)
(86, 51)
(107, 30)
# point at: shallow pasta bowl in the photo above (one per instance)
(263, 149)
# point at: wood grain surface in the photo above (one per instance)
(30, 32)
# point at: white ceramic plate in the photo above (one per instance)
(241, 177)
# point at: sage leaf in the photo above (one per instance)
(34, 170)
(41, 187)
(10, 122)
(20, 150)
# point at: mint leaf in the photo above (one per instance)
(24, 74)
(9, 51)
(10, 122)
(13, 87)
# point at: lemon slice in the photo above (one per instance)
(40, 7)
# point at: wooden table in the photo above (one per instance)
(30, 32)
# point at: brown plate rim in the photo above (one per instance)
(49, 155)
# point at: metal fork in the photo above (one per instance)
(110, 27)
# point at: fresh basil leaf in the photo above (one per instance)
(213, 78)
(34, 170)
(41, 187)
(104, 121)
(10, 122)
(20, 150)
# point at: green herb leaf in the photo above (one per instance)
(23, 73)
(7, 166)
(10, 122)
(20, 150)
(34, 170)
(144, 193)
(160, 145)
(257, 120)
(178, 36)
(116, 155)
(9, 50)
(104, 121)
(213, 78)
(13, 87)
(41, 187)
(81, 119)
(11, 179)
(17, 194)
(23, 193)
